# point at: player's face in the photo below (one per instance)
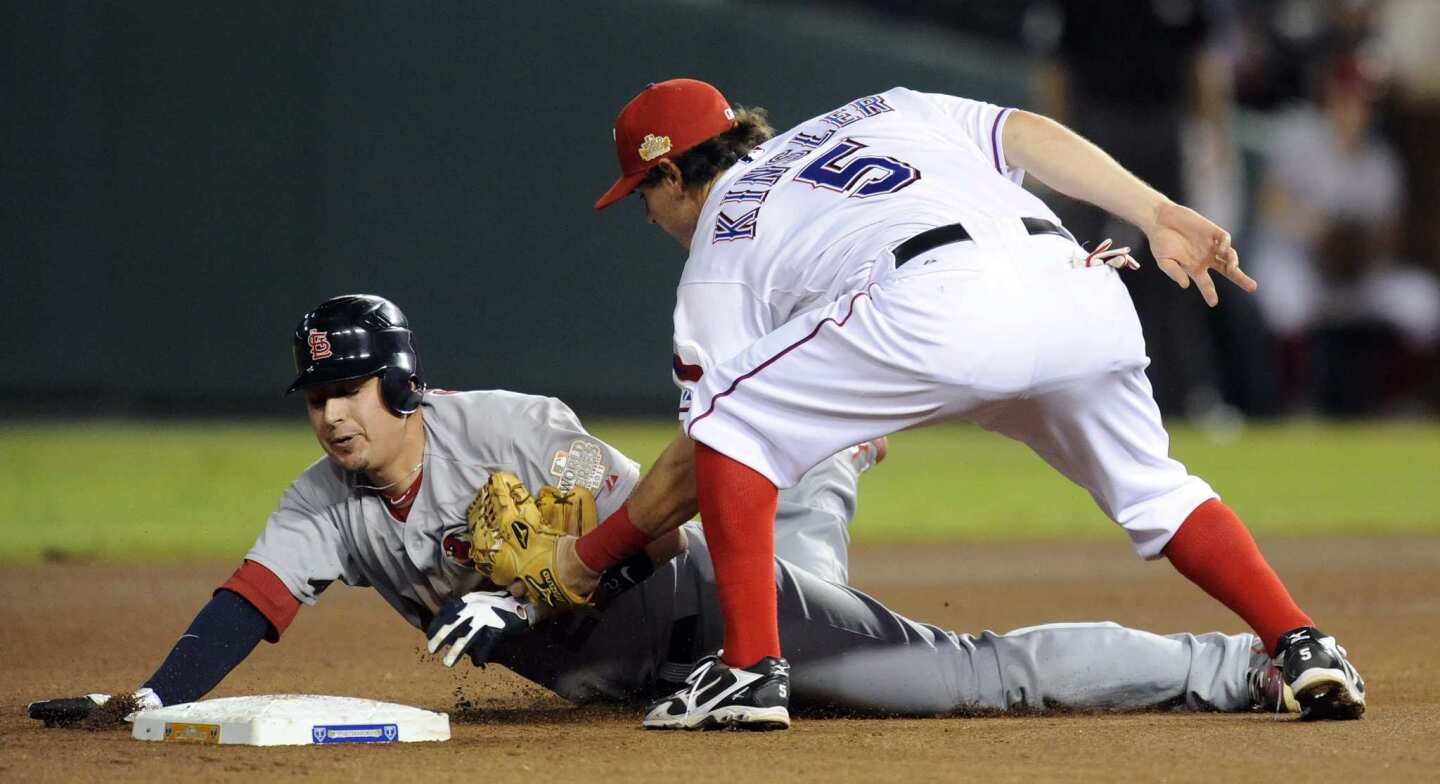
(353, 425)
(668, 206)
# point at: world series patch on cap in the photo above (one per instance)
(664, 120)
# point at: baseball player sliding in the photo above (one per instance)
(879, 267)
(393, 505)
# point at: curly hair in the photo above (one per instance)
(702, 163)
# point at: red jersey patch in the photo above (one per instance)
(684, 372)
(457, 547)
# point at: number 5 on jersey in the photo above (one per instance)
(859, 176)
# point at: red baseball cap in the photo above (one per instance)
(664, 120)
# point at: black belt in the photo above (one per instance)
(931, 239)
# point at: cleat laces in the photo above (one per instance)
(695, 679)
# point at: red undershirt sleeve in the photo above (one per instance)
(267, 593)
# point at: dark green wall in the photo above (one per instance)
(181, 181)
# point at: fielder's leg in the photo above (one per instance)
(737, 476)
(1104, 433)
(1089, 412)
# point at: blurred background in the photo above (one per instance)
(180, 182)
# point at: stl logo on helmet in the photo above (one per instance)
(319, 345)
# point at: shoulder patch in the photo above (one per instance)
(583, 464)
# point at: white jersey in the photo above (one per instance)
(326, 528)
(796, 333)
(805, 217)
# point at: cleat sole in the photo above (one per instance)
(1325, 696)
(732, 718)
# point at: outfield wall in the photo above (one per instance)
(183, 180)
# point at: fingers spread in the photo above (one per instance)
(456, 651)
(1222, 245)
(438, 636)
(1207, 288)
(449, 635)
(1242, 280)
(1233, 272)
(1173, 270)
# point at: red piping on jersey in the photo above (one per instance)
(767, 363)
(995, 141)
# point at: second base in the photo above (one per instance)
(289, 720)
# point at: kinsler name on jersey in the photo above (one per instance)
(737, 222)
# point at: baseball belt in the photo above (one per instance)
(931, 239)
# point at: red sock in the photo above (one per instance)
(614, 540)
(737, 510)
(1216, 552)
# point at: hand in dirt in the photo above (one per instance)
(66, 711)
(93, 711)
(475, 624)
(1187, 246)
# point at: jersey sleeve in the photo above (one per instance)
(267, 593)
(713, 322)
(562, 453)
(979, 125)
(301, 543)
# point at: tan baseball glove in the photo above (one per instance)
(572, 512)
(512, 539)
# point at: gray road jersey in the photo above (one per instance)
(326, 528)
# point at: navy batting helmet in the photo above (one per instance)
(358, 336)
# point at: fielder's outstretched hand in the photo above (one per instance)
(1187, 245)
(475, 623)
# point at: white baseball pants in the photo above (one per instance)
(1006, 335)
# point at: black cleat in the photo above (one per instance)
(717, 696)
(1324, 684)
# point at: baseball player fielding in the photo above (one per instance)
(879, 267)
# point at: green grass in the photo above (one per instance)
(166, 490)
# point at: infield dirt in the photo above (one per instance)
(71, 628)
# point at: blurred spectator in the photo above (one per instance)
(1410, 32)
(1146, 81)
(1352, 319)
(1275, 42)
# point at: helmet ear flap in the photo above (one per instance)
(395, 389)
